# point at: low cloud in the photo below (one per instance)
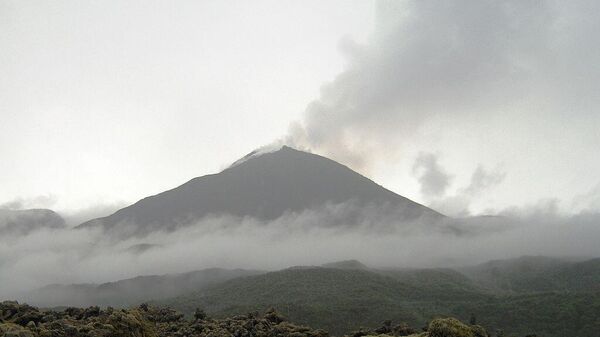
(482, 180)
(589, 201)
(435, 183)
(431, 176)
(71, 217)
(79, 216)
(21, 203)
(308, 238)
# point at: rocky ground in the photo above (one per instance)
(22, 320)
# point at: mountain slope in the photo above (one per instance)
(339, 300)
(578, 277)
(348, 294)
(264, 187)
(19, 222)
(448, 283)
(535, 274)
(521, 274)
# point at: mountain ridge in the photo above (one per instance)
(132, 291)
(24, 221)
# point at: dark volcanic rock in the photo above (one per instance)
(261, 186)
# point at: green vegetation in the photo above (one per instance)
(535, 274)
(549, 314)
(450, 327)
(343, 300)
(21, 320)
(337, 300)
(525, 296)
(443, 282)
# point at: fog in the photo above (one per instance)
(67, 256)
(75, 217)
(435, 183)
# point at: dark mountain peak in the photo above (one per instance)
(346, 264)
(266, 150)
(265, 184)
(272, 151)
(27, 220)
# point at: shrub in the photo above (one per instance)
(451, 327)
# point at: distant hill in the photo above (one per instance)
(132, 291)
(547, 296)
(262, 186)
(19, 222)
(338, 300)
(347, 264)
(548, 314)
(581, 276)
(445, 282)
(530, 274)
(342, 299)
(522, 274)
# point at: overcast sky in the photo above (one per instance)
(467, 106)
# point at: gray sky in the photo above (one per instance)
(108, 102)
